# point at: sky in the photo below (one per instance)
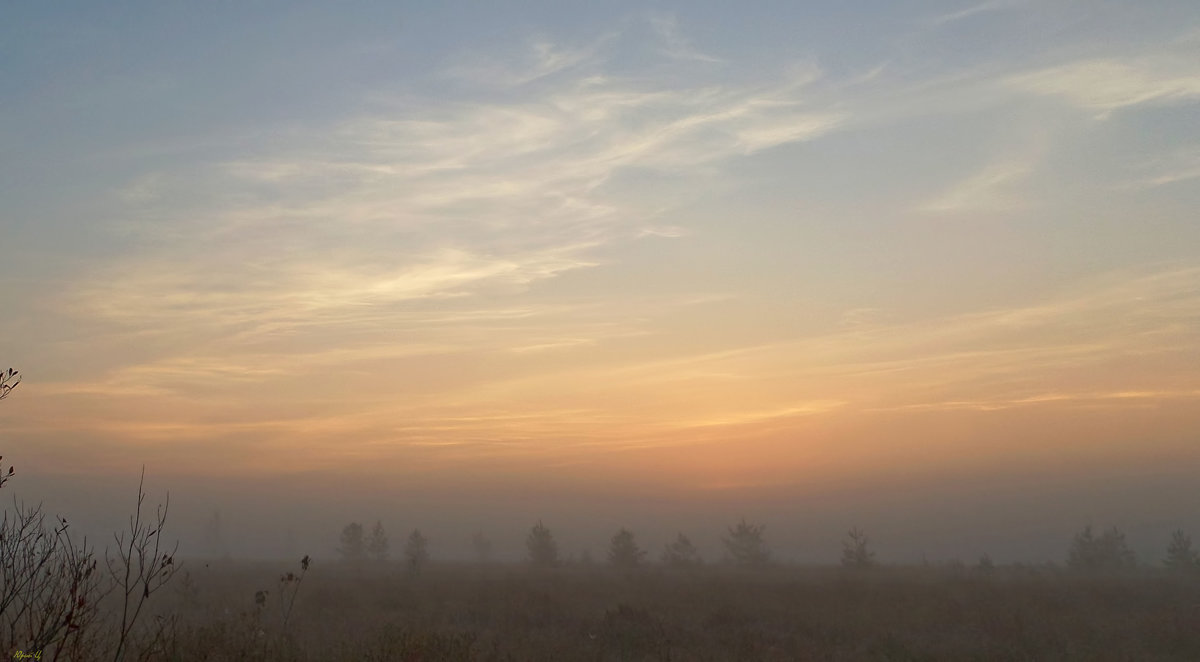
(927, 268)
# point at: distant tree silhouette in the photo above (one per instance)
(1180, 555)
(416, 551)
(482, 546)
(543, 550)
(855, 552)
(214, 537)
(985, 564)
(624, 552)
(681, 553)
(1108, 551)
(353, 548)
(746, 545)
(377, 544)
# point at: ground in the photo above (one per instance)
(499, 612)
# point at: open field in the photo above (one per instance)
(466, 612)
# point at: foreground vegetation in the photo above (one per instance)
(383, 611)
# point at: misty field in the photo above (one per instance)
(236, 611)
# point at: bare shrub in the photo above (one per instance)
(9, 379)
(49, 587)
(51, 592)
(141, 566)
(289, 586)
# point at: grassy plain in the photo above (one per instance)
(513, 612)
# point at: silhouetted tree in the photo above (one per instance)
(1180, 555)
(855, 553)
(1105, 552)
(353, 548)
(746, 545)
(416, 551)
(543, 550)
(377, 544)
(482, 547)
(681, 553)
(985, 564)
(624, 552)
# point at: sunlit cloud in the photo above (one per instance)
(1106, 85)
(741, 418)
(447, 202)
(667, 231)
(543, 58)
(1081, 399)
(674, 44)
(988, 190)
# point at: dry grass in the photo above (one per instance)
(465, 612)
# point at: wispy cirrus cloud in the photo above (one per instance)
(1091, 399)
(433, 201)
(990, 189)
(986, 7)
(674, 44)
(1179, 165)
(1105, 85)
(541, 59)
(1047, 353)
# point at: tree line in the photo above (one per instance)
(745, 545)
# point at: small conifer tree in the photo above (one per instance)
(543, 550)
(855, 551)
(377, 544)
(416, 551)
(746, 545)
(353, 548)
(681, 553)
(624, 552)
(1180, 555)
